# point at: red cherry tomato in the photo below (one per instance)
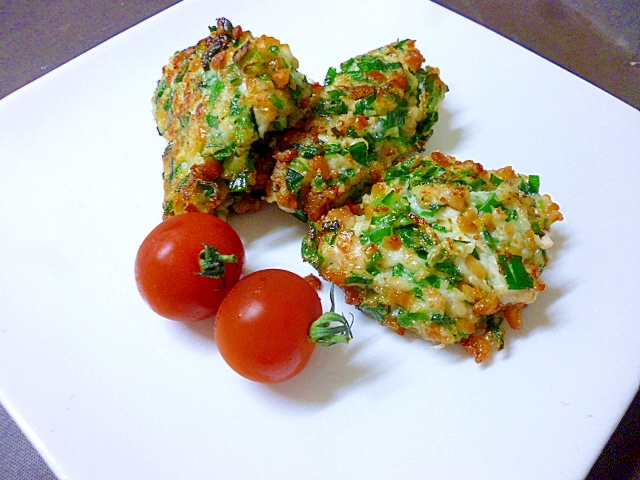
(187, 264)
(262, 326)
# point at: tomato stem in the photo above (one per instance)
(212, 262)
(331, 327)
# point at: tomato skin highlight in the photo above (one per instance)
(168, 270)
(262, 326)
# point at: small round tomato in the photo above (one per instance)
(187, 264)
(262, 326)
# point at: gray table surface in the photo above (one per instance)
(598, 40)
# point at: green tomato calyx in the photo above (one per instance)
(212, 262)
(331, 327)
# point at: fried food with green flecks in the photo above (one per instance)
(441, 248)
(377, 108)
(217, 103)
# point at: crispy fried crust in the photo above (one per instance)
(441, 248)
(216, 103)
(377, 108)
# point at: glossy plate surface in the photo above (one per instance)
(106, 389)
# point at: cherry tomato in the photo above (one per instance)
(262, 326)
(187, 264)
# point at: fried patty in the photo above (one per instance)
(375, 109)
(441, 248)
(216, 103)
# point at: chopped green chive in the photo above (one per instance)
(515, 272)
(294, 180)
(359, 151)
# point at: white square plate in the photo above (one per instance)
(106, 389)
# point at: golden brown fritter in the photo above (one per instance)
(216, 103)
(377, 108)
(441, 248)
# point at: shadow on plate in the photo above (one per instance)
(268, 223)
(331, 372)
(203, 329)
(446, 137)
